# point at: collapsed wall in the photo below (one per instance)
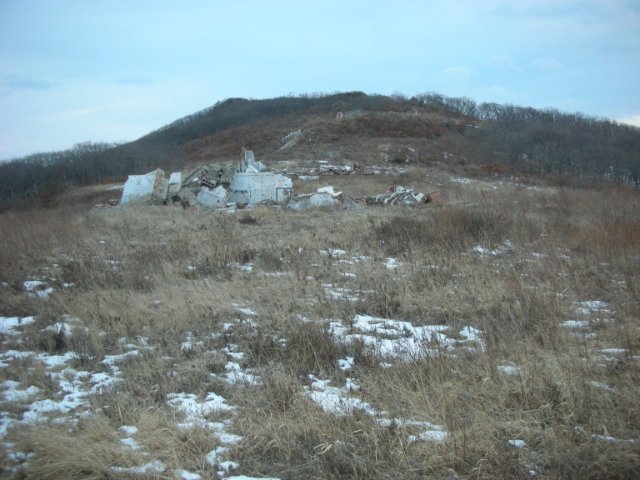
(255, 187)
(151, 187)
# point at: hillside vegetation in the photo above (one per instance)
(492, 333)
(495, 334)
(353, 127)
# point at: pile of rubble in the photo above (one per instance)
(250, 183)
(323, 197)
(398, 195)
(214, 186)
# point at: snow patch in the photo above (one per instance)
(8, 325)
(401, 339)
(517, 443)
(148, 468)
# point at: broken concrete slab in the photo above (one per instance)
(324, 197)
(213, 198)
(255, 187)
(151, 187)
(186, 197)
(249, 164)
(300, 203)
(329, 190)
(175, 183)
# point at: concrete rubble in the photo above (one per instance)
(149, 188)
(323, 197)
(254, 183)
(212, 186)
(399, 195)
(250, 183)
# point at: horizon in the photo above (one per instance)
(114, 71)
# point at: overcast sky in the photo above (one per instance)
(89, 70)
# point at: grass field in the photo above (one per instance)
(495, 334)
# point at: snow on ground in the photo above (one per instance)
(391, 264)
(606, 438)
(206, 412)
(460, 180)
(509, 369)
(197, 412)
(187, 475)
(504, 247)
(340, 293)
(401, 339)
(336, 400)
(341, 401)
(234, 374)
(27, 405)
(244, 477)
(246, 267)
(333, 252)
(575, 324)
(389, 339)
(429, 436)
(11, 325)
(591, 307)
(37, 287)
(516, 442)
(345, 363)
(74, 387)
(244, 310)
(149, 468)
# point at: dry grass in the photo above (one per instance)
(172, 276)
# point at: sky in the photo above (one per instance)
(73, 71)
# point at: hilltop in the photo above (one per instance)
(353, 128)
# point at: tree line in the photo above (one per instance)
(529, 139)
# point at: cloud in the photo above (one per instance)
(547, 64)
(24, 82)
(633, 120)
(460, 72)
(502, 62)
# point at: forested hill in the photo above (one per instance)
(352, 127)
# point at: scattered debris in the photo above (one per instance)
(324, 197)
(328, 169)
(399, 195)
(218, 186)
(314, 170)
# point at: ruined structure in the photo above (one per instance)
(213, 186)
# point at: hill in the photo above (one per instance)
(491, 333)
(352, 127)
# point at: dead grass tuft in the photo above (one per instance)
(549, 277)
